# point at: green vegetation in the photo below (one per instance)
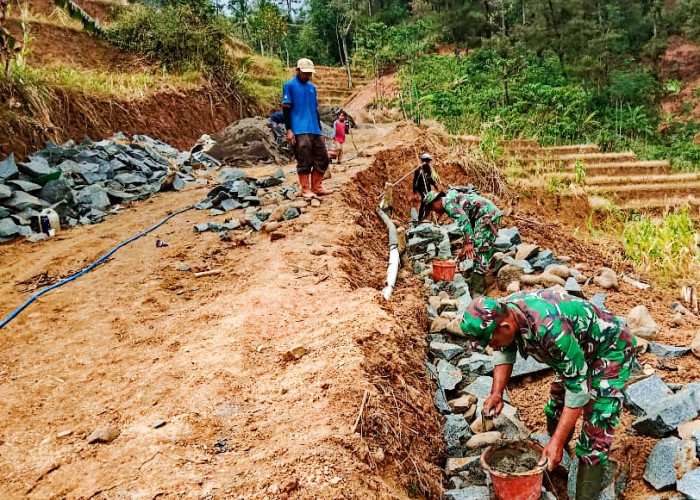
(558, 70)
(666, 247)
(181, 37)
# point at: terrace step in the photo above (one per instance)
(571, 149)
(665, 203)
(658, 179)
(598, 158)
(674, 189)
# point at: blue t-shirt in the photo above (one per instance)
(302, 97)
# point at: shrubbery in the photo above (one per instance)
(181, 37)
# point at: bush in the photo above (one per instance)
(181, 37)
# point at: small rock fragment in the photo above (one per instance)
(641, 324)
(448, 375)
(686, 458)
(462, 404)
(483, 439)
(317, 250)
(659, 471)
(471, 493)
(667, 351)
(104, 434)
(157, 424)
(689, 485)
(686, 430)
(513, 287)
(445, 350)
(606, 278)
(695, 346)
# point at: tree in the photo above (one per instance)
(267, 27)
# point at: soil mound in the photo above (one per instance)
(248, 142)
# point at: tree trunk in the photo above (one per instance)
(347, 62)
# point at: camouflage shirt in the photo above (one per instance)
(471, 211)
(566, 333)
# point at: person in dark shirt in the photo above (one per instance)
(423, 183)
(276, 122)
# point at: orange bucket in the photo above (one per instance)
(516, 485)
(444, 270)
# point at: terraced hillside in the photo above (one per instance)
(332, 84)
(630, 184)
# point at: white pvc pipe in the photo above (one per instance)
(394, 259)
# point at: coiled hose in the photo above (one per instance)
(78, 274)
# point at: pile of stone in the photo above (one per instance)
(83, 182)
(464, 379)
(464, 375)
(265, 201)
(664, 410)
(249, 142)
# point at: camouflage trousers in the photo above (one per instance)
(485, 233)
(608, 378)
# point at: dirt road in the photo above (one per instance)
(139, 340)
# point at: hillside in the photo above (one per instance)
(76, 84)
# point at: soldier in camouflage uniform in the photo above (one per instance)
(591, 351)
(478, 219)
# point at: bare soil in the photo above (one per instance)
(682, 62)
(138, 340)
(176, 117)
(53, 45)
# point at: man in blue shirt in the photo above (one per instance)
(301, 118)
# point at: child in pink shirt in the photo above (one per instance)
(339, 129)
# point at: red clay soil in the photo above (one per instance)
(139, 340)
(103, 11)
(682, 62)
(178, 118)
(55, 45)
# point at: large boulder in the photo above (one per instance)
(248, 142)
(8, 168)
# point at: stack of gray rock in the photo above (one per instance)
(670, 413)
(464, 376)
(83, 182)
(265, 201)
(464, 379)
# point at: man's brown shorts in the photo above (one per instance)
(310, 152)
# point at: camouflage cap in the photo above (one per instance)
(479, 321)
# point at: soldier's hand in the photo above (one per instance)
(291, 139)
(467, 252)
(493, 405)
(551, 455)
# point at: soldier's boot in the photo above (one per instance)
(477, 285)
(588, 481)
(305, 181)
(552, 426)
(317, 184)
